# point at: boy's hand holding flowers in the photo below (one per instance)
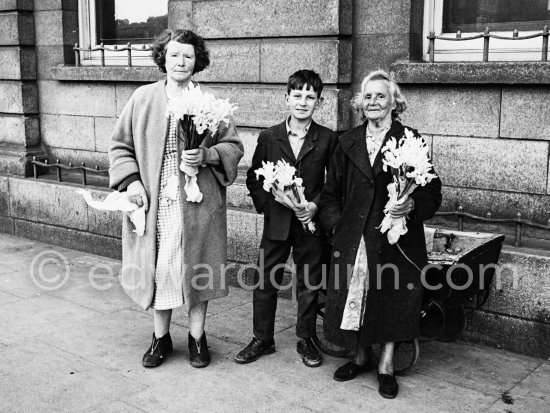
(280, 180)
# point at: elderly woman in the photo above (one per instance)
(387, 309)
(181, 255)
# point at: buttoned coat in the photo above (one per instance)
(137, 146)
(352, 205)
(311, 165)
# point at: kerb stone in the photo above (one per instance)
(534, 120)
(522, 288)
(258, 18)
(49, 203)
(501, 164)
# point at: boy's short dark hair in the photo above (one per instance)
(303, 77)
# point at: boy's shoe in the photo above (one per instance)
(254, 350)
(350, 370)
(199, 356)
(308, 351)
(388, 386)
(159, 349)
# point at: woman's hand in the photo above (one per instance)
(403, 209)
(306, 214)
(193, 157)
(137, 195)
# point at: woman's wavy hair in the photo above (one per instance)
(158, 51)
(395, 93)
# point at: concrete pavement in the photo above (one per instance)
(70, 340)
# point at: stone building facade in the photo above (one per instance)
(488, 123)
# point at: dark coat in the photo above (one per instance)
(352, 204)
(311, 165)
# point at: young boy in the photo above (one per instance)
(308, 147)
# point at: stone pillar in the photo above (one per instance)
(19, 122)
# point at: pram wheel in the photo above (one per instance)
(319, 338)
(432, 321)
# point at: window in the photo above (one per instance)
(471, 17)
(119, 22)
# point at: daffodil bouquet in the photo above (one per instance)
(280, 179)
(199, 114)
(410, 165)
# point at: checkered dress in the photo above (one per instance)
(168, 273)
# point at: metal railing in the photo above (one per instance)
(486, 35)
(518, 221)
(102, 48)
(85, 170)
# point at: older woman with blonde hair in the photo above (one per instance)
(380, 302)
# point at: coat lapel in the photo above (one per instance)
(284, 144)
(356, 149)
(309, 141)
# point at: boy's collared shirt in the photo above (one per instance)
(296, 138)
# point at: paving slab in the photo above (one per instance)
(531, 395)
(286, 364)
(235, 325)
(117, 407)
(39, 377)
(210, 390)
(417, 393)
(6, 298)
(479, 368)
(25, 319)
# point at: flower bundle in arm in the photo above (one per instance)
(410, 166)
(199, 114)
(280, 179)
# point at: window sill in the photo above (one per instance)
(535, 73)
(107, 73)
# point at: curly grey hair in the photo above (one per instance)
(395, 93)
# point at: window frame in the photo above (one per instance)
(472, 50)
(88, 37)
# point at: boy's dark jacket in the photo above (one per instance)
(313, 160)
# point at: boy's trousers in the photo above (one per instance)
(308, 253)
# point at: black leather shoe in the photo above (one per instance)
(199, 356)
(254, 350)
(350, 370)
(388, 386)
(308, 351)
(159, 349)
